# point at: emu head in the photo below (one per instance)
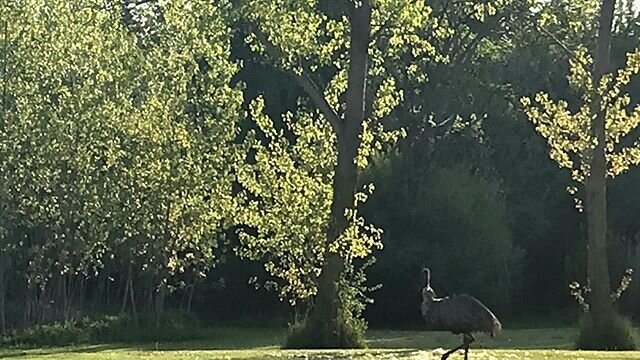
(427, 292)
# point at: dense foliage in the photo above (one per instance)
(115, 158)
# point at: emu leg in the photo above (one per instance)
(446, 355)
(467, 340)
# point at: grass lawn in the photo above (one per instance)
(232, 343)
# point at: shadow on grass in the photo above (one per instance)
(18, 353)
(268, 340)
(246, 354)
(213, 339)
(525, 339)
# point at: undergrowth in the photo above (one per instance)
(108, 329)
(617, 335)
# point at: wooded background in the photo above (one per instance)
(146, 165)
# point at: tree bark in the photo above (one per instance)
(133, 298)
(159, 303)
(328, 306)
(596, 190)
(4, 265)
(123, 307)
(190, 299)
(5, 75)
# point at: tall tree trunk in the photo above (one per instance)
(123, 307)
(43, 300)
(4, 265)
(4, 259)
(26, 316)
(190, 299)
(107, 292)
(161, 293)
(82, 293)
(3, 314)
(596, 188)
(132, 296)
(5, 75)
(328, 306)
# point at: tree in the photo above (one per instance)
(347, 133)
(596, 187)
(115, 153)
(287, 185)
(345, 55)
(596, 139)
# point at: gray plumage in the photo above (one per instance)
(459, 314)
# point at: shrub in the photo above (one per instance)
(109, 329)
(313, 334)
(173, 326)
(57, 334)
(619, 335)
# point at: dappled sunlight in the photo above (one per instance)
(244, 344)
(370, 354)
(508, 339)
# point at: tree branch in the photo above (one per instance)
(628, 140)
(319, 100)
(555, 39)
(306, 83)
(461, 60)
(573, 56)
(559, 42)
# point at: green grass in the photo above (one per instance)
(233, 343)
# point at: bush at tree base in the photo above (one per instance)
(619, 335)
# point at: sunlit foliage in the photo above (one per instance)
(110, 151)
(568, 129)
(288, 226)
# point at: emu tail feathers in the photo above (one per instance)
(496, 326)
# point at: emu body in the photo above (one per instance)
(459, 314)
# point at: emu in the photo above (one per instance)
(460, 314)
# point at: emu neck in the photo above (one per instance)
(426, 305)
